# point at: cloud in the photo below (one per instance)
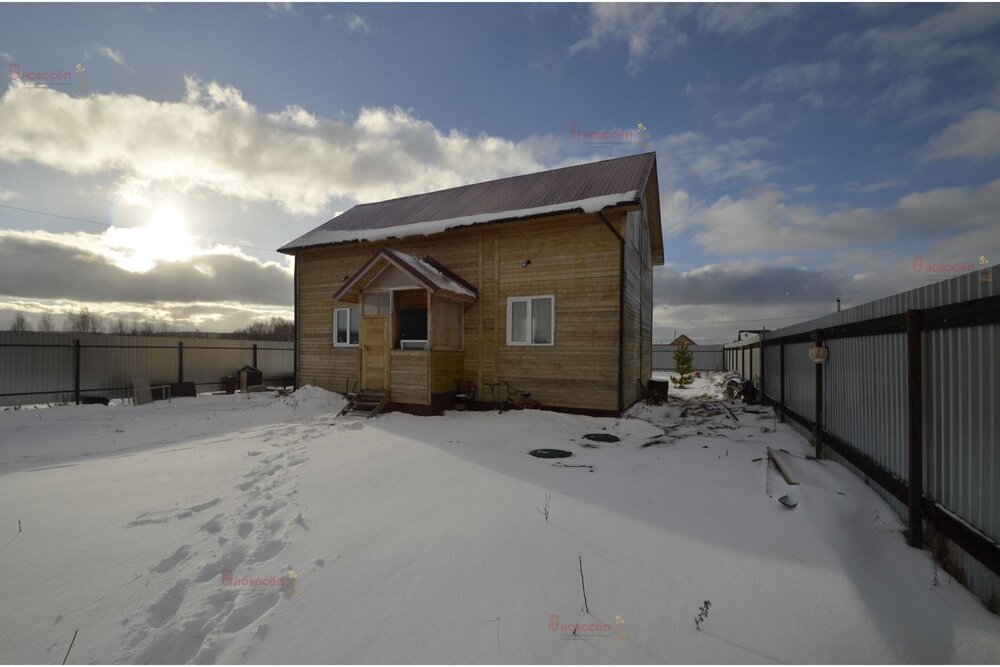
(275, 9)
(652, 31)
(221, 317)
(805, 189)
(945, 37)
(114, 56)
(89, 273)
(216, 140)
(741, 19)
(692, 154)
(758, 114)
(975, 136)
(906, 94)
(355, 23)
(797, 77)
(7, 195)
(675, 210)
(711, 302)
(648, 30)
(754, 282)
(877, 186)
(766, 222)
(6, 56)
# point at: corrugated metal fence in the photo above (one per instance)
(37, 367)
(909, 392)
(706, 357)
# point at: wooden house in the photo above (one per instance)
(542, 280)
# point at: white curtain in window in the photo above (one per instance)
(541, 321)
(341, 320)
(355, 323)
(519, 322)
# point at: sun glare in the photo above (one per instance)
(164, 237)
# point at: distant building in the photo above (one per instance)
(682, 340)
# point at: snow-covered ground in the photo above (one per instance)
(706, 384)
(167, 533)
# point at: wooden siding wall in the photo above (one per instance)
(446, 324)
(320, 274)
(638, 316)
(408, 371)
(573, 257)
(446, 370)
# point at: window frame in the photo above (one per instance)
(529, 300)
(357, 316)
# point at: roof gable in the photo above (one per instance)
(424, 273)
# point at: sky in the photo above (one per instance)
(806, 152)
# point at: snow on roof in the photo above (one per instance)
(588, 187)
(331, 236)
(432, 274)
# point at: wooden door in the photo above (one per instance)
(375, 352)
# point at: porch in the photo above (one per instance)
(409, 327)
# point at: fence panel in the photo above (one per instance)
(865, 405)
(41, 367)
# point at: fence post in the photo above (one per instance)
(915, 418)
(818, 421)
(254, 364)
(76, 370)
(180, 361)
(781, 379)
(763, 365)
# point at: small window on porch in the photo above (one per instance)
(346, 332)
(376, 303)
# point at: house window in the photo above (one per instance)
(345, 327)
(531, 320)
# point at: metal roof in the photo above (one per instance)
(520, 196)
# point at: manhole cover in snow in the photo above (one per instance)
(550, 453)
(601, 437)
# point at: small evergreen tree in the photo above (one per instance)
(684, 365)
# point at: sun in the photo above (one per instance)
(164, 238)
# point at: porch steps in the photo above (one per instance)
(366, 402)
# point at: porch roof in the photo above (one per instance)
(427, 273)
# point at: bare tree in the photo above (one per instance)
(20, 322)
(277, 328)
(120, 327)
(46, 323)
(84, 321)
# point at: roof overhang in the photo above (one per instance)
(625, 201)
(651, 199)
(426, 273)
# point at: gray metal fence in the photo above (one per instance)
(706, 357)
(38, 367)
(909, 393)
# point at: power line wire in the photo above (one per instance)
(105, 224)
